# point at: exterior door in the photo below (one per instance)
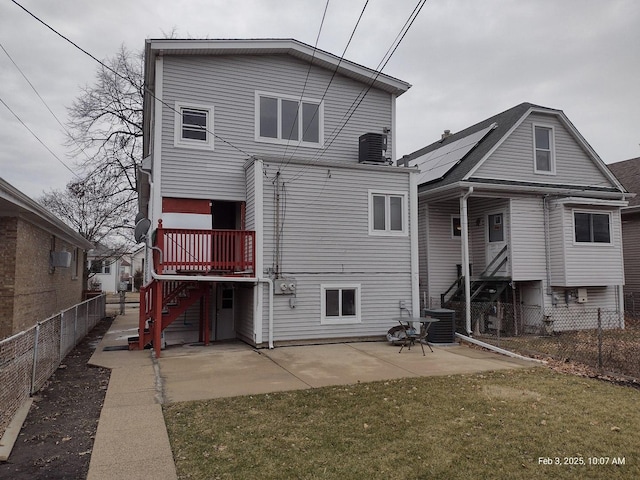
(496, 241)
(224, 324)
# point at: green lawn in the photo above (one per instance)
(497, 425)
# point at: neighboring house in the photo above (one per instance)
(41, 263)
(108, 270)
(628, 172)
(254, 178)
(525, 204)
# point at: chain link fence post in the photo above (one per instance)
(599, 338)
(35, 359)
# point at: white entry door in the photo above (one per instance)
(496, 237)
(224, 325)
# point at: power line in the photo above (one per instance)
(333, 75)
(38, 138)
(306, 79)
(358, 100)
(146, 89)
(43, 101)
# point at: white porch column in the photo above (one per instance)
(464, 223)
(415, 272)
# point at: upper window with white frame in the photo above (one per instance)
(340, 304)
(193, 126)
(544, 150)
(289, 120)
(591, 227)
(387, 213)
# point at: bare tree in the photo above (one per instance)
(105, 123)
(100, 212)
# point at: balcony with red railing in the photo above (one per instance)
(204, 252)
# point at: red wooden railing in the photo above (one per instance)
(203, 251)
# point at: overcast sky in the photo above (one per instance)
(466, 59)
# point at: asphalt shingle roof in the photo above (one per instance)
(628, 173)
(504, 122)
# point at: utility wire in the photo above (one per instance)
(333, 75)
(146, 89)
(304, 87)
(43, 101)
(38, 138)
(358, 100)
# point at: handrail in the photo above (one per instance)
(200, 251)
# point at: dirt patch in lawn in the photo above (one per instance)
(57, 437)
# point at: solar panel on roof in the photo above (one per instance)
(437, 163)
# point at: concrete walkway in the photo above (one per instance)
(131, 440)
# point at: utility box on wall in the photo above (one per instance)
(582, 295)
(284, 286)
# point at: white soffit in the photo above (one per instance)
(437, 163)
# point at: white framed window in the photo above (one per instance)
(544, 149)
(387, 213)
(193, 126)
(456, 227)
(592, 227)
(340, 304)
(289, 120)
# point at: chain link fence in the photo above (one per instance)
(29, 358)
(601, 339)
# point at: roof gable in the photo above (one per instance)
(480, 164)
(157, 47)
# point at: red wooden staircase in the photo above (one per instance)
(161, 303)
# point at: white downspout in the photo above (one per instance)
(415, 273)
(464, 223)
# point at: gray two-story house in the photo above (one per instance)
(519, 222)
(276, 212)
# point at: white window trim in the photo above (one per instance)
(591, 244)
(180, 142)
(280, 140)
(349, 320)
(455, 237)
(552, 148)
(405, 213)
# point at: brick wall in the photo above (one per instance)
(38, 291)
(8, 239)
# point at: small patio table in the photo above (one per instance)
(411, 335)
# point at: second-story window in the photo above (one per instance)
(544, 150)
(193, 126)
(281, 119)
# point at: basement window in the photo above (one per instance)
(340, 304)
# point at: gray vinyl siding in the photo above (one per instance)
(243, 312)
(250, 207)
(326, 240)
(527, 246)
(584, 264)
(514, 159)
(229, 83)
(631, 250)
(380, 297)
(578, 316)
(557, 251)
(444, 252)
(478, 208)
(423, 265)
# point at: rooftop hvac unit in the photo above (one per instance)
(372, 148)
